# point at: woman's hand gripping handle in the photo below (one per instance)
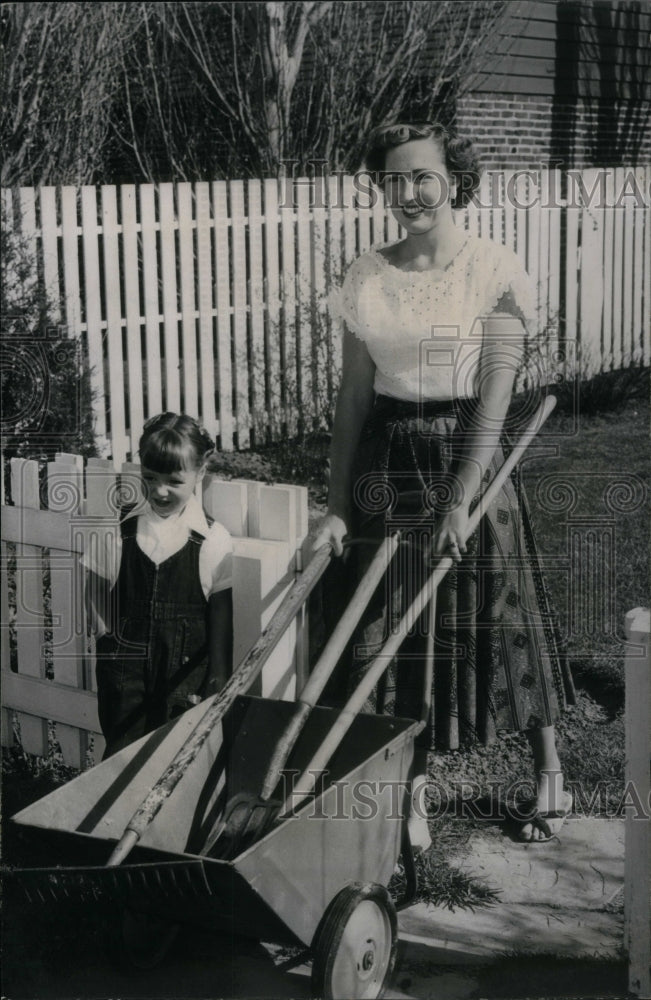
(331, 530)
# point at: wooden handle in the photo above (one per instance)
(328, 660)
(241, 680)
(307, 781)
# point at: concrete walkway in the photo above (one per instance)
(561, 901)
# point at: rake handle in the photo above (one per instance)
(240, 681)
(307, 781)
(328, 660)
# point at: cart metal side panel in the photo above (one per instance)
(101, 801)
(352, 832)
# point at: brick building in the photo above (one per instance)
(570, 85)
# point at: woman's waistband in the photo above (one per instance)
(389, 407)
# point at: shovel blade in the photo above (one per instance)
(246, 819)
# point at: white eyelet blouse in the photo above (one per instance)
(424, 332)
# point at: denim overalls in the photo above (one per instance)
(156, 657)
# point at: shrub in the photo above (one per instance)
(44, 376)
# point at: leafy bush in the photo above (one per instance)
(44, 376)
(604, 392)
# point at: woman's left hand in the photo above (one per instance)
(451, 534)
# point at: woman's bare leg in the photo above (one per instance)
(551, 795)
(418, 827)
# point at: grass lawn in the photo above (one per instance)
(602, 466)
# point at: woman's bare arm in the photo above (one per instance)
(501, 353)
(354, 402)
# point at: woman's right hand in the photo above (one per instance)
(331, 530)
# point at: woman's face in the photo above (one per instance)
(417, 184)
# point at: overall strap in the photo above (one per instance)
(128, 525)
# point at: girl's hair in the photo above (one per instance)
(171, 442)
(461, 160)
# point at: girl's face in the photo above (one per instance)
(168, 492)
(417, 186)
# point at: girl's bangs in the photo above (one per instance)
(165, 451)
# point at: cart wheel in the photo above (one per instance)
(138, 941)
(355, 944)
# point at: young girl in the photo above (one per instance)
(162, 595)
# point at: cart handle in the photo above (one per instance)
(308, 779)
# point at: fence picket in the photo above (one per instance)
(637, 349)
(116, 371)
(5, 644)
(65, 492)
(362, 202)
(608, 267)
(509, 209)
(272, 318)
(521, 194)
(148, 227)
(335, 273)
(485, 213)
(618, 277)
(545, 308)
(304, 359)
(223, 302)
(256, 307)
(646, 270)
(132, 305)
(319, 333)
(591, 292)
(93, 303)
(29, 602)
(50, 249)
(240, 314)
(378, 216)
(350, 241)
(628, 339)
(287, 389)
(71, 260)
(190, 394)
(206, 312)
(167, 223)
(533, 245)
(571, 289)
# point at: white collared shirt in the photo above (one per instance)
(161, 537)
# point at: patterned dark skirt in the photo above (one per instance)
(498, 660)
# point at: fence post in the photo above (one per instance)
(637, 868)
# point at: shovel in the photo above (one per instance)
(246, 817)
(308, 779)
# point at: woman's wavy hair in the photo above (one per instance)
(171, 442)
(461, 159)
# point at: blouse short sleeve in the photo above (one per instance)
(216, 560)
(505, 286)
(343, 303)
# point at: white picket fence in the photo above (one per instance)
(48, 677)
(211, 297)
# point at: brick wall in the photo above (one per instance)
(515, 131)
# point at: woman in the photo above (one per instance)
(434, 334)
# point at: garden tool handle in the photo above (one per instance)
(240, 681)
(328, 659)
(307, 781)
